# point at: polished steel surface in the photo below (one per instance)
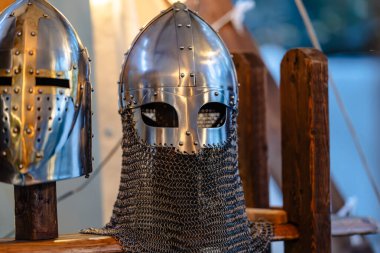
(45, 96)
(180, 60)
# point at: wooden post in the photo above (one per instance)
(36, 212)
(305, 149)
(253, 151)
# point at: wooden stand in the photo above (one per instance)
(305, 149)
(36, 212)
(253, 150)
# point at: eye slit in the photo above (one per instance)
(5, 81)
(44, 81)
(212, 115)
(159, 115)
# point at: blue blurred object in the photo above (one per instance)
(341, 25)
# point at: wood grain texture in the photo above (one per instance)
(275, 216)
(253, 150)
(77, 243)
(36, 212)
(305, 149)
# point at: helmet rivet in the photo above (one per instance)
(216, 93)
(75, 67)
(5, 90)
(182, 75)
(196, 143)
(177, 9)
(31, 71)
(92, 90)
(15, 130)
(61, 92)
(181, 48)
(179, 25)
(135, 102)
(12, 14)
(29, 3)
(192, 74)
(77, 106)
(4, 153)
(28, 131)
(181, 143)
(33, 34)
(30, 90)
(16, 90)
(40, 91)
(37, 72)
(31, 52)
(131, 96)
(17, 71)
(15, 108)
(188, 26)
(232, 103)
(21, 166)
(29, 107)
(82, 87)
(188, 133)
(45, 16)
(17, 52)
(155, 94)
(190, 48)
(19, 34)
(59, 74)
(8, 71)
(232, 97)
(39, 156)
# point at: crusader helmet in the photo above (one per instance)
(180, 189)
(45, 96)
(180, 81)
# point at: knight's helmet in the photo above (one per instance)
(181, 81)
(45, 96)
(180, 189)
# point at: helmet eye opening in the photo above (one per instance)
(212, 115)
(5, 81)
(159, 115)
(44, 81)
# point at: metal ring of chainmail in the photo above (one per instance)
(174, 202)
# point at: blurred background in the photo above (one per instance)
(349, 32)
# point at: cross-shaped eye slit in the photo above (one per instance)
(5, 81)
(45, 81)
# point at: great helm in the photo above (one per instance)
(180, 81)
(45, 96)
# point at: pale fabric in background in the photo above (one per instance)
(115, 25)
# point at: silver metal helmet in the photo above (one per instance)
(45, 96)
(180, 81)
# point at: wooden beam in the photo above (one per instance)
(36, 212)
(275, 216)
(305, 149)
(77, 243)
(253, 150)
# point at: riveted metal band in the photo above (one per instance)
(185, 42)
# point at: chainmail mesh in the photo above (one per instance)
(173, 202)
